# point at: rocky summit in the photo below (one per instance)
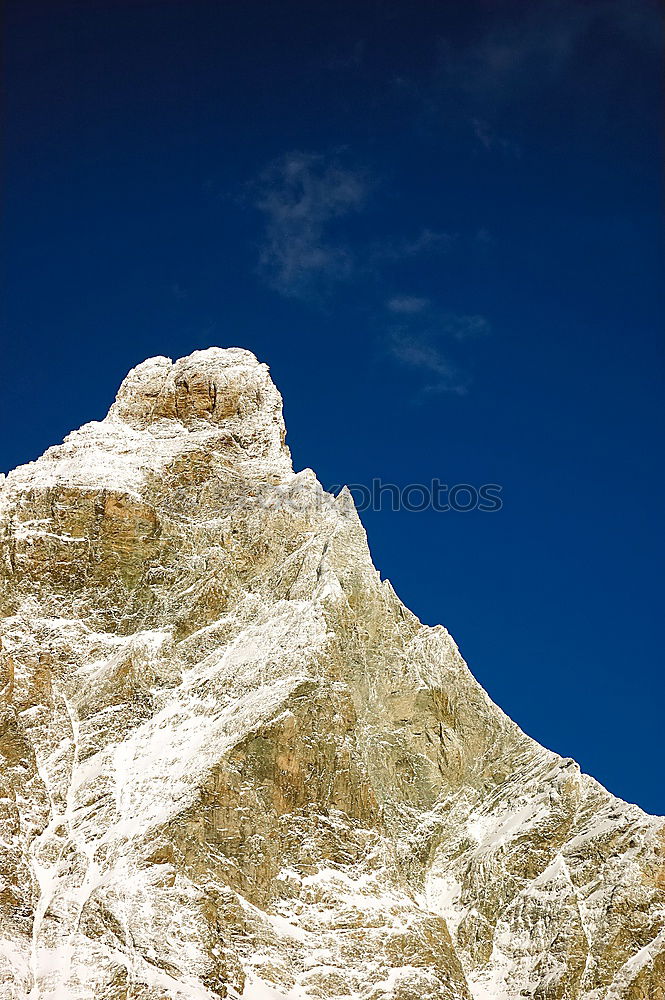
(235, 765)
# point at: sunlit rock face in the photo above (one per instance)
(235, 765)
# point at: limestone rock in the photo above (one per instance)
(235, 765)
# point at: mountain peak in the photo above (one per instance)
(217, 386)
(235, 765)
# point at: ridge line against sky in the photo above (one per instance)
(441, 226)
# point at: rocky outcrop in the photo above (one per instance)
(234, 764)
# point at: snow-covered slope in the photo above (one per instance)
(234, 764)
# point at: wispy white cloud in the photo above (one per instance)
(301, 195)
(425, 339)
(307, 201)
(427, 241)
(407, 304)
(539, 43)
(426, 357)
(463, 327)
(490, 81)
(489, 139)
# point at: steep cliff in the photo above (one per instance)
(234, 764)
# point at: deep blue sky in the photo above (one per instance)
(441, 225)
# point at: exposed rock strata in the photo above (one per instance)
(234, 764)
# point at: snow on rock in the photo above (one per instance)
(235, 765)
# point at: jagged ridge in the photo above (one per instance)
(237, 765)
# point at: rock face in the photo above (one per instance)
(234, 764)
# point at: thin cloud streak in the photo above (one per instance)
(426, 357)
(407, 304)
(424, 337)
(463, 327)
(427, 241)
